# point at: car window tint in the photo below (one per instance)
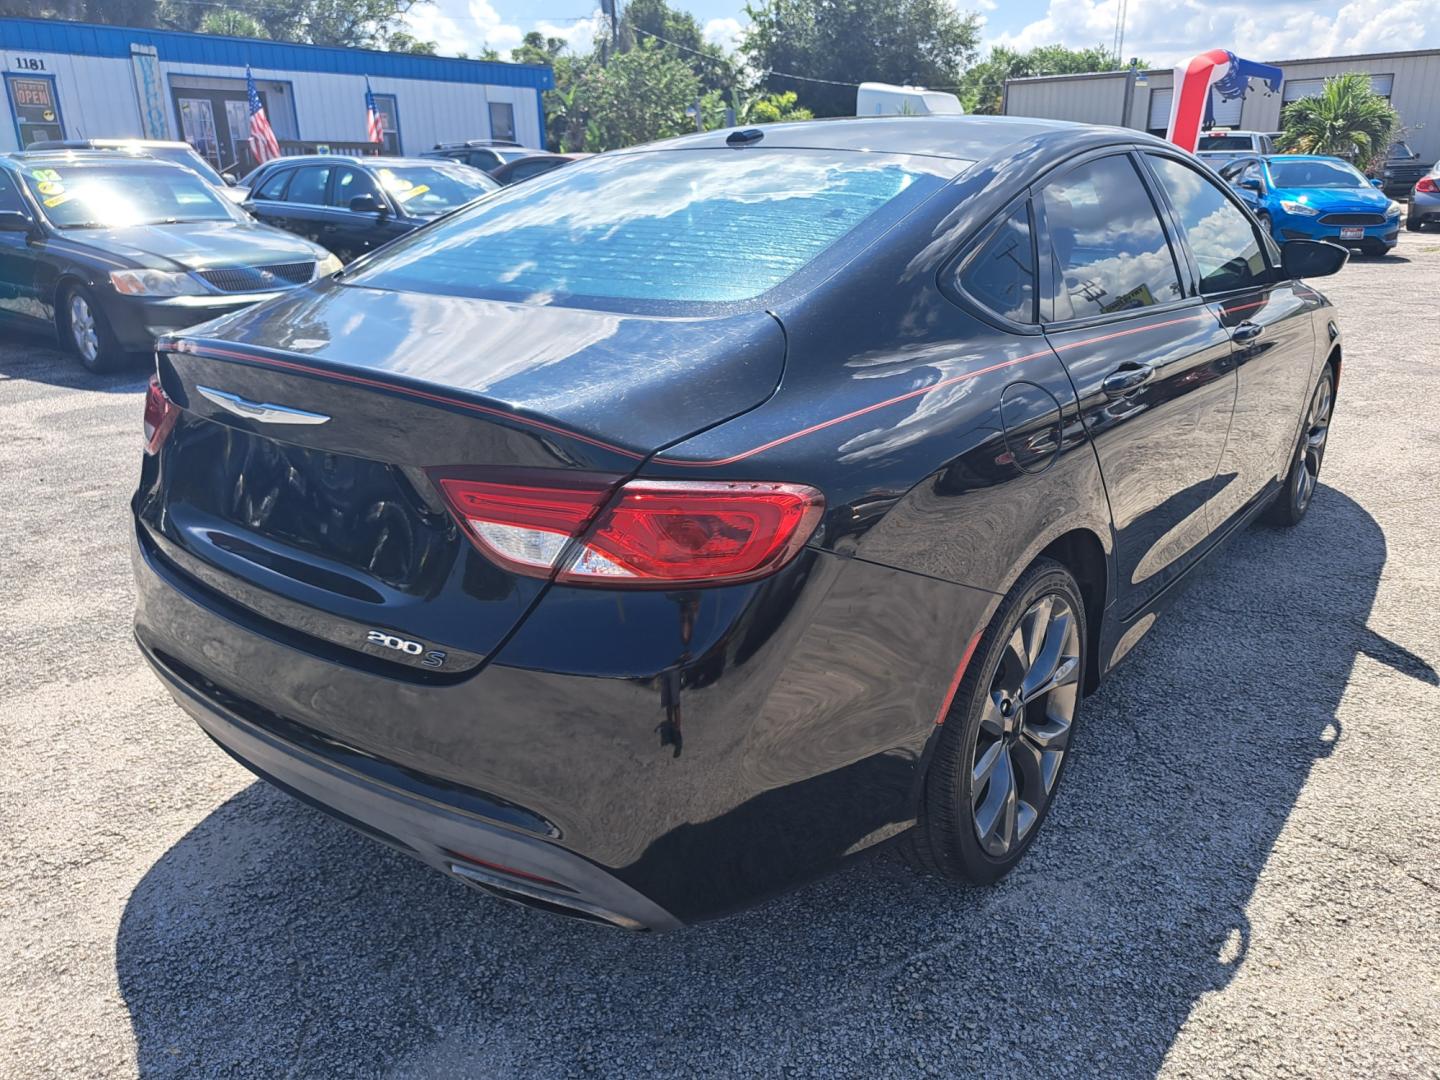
(274, 187)
(349, 183)
(526, 169)
(1220, 235)
(309, 185)
(702, 226)
(10, 198)
(1107, 246)
(1001, 275)
(483, 159)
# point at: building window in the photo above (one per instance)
(390, 118)
(35, 107)
(502, 121)
(1295, 89)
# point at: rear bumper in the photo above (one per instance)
(443, 836)
(721, 747)
(137, 322)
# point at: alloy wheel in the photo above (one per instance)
(1025, 728)
(83, 330)
(1312, 452)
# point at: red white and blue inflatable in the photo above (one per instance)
(1220, 70)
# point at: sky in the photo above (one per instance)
(1162, 32)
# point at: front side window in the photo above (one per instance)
(1001, 275)
(351, 183)
(1221, 237)
(1107, 247)
(95, 197)
(679, 226)
(308, 186)
(10, 195)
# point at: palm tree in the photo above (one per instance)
(1346, 119)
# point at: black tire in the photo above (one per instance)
(950, 837)
(1414, 222)
(83, 329)
(1292, 502)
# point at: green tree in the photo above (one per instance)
(641, 95)
(921, 42)
(1346, 119)
(400, 41)
(232, 24)
(354, 23)
(678, 32)
(983, 88)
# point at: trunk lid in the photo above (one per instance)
(331, 529)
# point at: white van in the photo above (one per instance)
(883, 99)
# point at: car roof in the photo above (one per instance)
(105, 144)
(379, 161)
(89, 157)
(970, 138)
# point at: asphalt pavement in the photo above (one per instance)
(1241, 876)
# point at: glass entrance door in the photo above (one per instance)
(197, 127)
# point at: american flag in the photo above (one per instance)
(263, 143)
(374, 122)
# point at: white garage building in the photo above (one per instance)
(1411, 80)
(67, 80)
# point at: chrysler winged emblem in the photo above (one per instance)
(264, 412)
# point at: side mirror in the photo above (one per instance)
(366, 204)
(1311, 258)
(228, 177)
(1250, 183)
(1377, 182)
(15, 221)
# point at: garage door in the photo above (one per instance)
(1227, 113)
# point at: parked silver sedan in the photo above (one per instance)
(1425, 202)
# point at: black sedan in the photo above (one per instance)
(109, 251)
(354, 204)
(643, 540)
(531, 166)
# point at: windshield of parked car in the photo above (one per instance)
(431, 190)
(1226, 142)
(189, 158)
(682, 226)
(94, 196)
(1316, 174)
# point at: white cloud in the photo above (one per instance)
(1278, 30)
(579, 34)
(725, 32)
(463, 26)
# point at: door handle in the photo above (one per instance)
(1246, 331)
(1127, 378)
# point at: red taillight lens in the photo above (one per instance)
(1428, 185)
(652, 533)
(160, 416)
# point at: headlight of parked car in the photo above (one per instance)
(327, 266)
(1297, 208)
(1393, 210)
(155, 283)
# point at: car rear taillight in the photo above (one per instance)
(648, 534)
(160, 416)
(1428, 186)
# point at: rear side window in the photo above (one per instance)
(309, 185)
(1001, 275)
(1107, 247)
(1220, 236)
(686, 226)
(274, 188)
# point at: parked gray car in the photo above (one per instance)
(1425, 202)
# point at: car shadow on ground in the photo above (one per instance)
(35, 358)
(270, 939)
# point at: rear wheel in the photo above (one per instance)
(1413, 221)
(1292, 501)
(1006, 738)
(82, 327)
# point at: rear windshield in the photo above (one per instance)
(1226, 142)
(1316, 174)
(689, 226)
(431, 190)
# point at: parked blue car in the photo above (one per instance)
(1308, 197)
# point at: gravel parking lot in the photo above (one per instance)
(1242, 877)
